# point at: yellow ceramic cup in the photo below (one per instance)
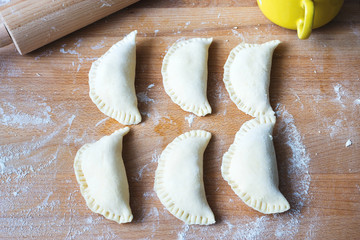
(300, 15)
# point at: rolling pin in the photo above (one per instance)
(32, 24)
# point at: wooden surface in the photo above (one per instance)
(46, 115)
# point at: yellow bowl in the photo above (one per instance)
(300, 15)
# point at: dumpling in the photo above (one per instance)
(250, 168)
(112, 82)
(179, 178)
(100, 171)
(247, 77)
(184, 73)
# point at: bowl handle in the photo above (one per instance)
(304, 26)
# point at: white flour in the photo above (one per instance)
(47, 138)
(8, 69)
(237, 34)
(348, 143)
(340, 92)
(190, 119)
(3, 2)
(70, 51)
(154, 159)
(46, 53)
(143, 97)
(102, 121)
(105, 3)
(98, 45)
(10, 116)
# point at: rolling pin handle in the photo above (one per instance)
(5, 38)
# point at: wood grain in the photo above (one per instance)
(47, 115)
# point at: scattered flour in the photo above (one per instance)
(144, 113)
(190, 119)
(45, 202)
(340, 93)
(70, 51)
(239, 35)
(358, 187)
(98, 45)
(105, 3)
(148, 195)
(47, 140)
(154, 158)
(46, 53)
(11, 116)
(140, 172)
(154, 212)
(78, 42)
(297, 98)
(336, 127)
(156, 117)
(3, 2)
(89, 220)
(9, 69)
(348, 143)
(182, 234)
(143, 97)
(102, 121)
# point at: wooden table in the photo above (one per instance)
(46, 115)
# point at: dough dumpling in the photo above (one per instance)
(112, 82)
(185, 71)
(247, 77)
(250, 168)
(100, 171)
(179, 178)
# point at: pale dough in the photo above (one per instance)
(250, 168)
(184, 72)
(247, 77)
(179, 178)
(100, 171)
(112, 82)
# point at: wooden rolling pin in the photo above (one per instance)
(32, 24)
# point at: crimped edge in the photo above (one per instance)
(164, 197)
(256, 204)
(201, 109)
(90, 201)
(123, 117)
(229, 87)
